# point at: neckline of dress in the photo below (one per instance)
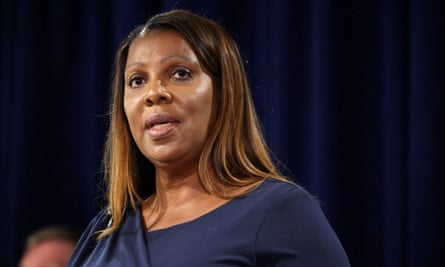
(203, 216)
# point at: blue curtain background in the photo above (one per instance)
(351, 96)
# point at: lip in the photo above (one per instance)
(160, 125)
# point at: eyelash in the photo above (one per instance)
(184, 75)
(138, 79)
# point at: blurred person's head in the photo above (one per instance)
(49, 247)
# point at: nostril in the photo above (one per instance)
(148, 101)
(157, 96)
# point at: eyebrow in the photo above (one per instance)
(142, 64)
(175, 56)
(137, 63)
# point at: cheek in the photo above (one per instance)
(204, 98)
(203, 106)
(130, 110)
(214, 103)
(128, 103)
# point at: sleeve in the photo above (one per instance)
(88, 241)
(295, 232)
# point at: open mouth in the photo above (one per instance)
(160, 125)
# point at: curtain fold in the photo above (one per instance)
(393, 131)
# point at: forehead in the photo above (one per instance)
(160, 42)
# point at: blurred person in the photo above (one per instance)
(50, 246)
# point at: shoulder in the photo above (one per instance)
(87, 241)
(89, 245)
(104, 219)
(276, 191)
(99, 222)
(289, 203)
(278, 200)
(295, 229)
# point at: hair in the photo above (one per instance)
(55, 232)
(235, 153)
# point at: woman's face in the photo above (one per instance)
(167, 99)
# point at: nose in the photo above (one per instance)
(157, 94)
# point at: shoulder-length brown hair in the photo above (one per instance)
(235, 150)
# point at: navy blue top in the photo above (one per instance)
(278, 224)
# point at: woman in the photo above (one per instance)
(190, 180)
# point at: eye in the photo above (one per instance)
(136, 82)
(181, 74)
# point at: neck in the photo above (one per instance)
(181, 198)
(176, 191)
(177, 199)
